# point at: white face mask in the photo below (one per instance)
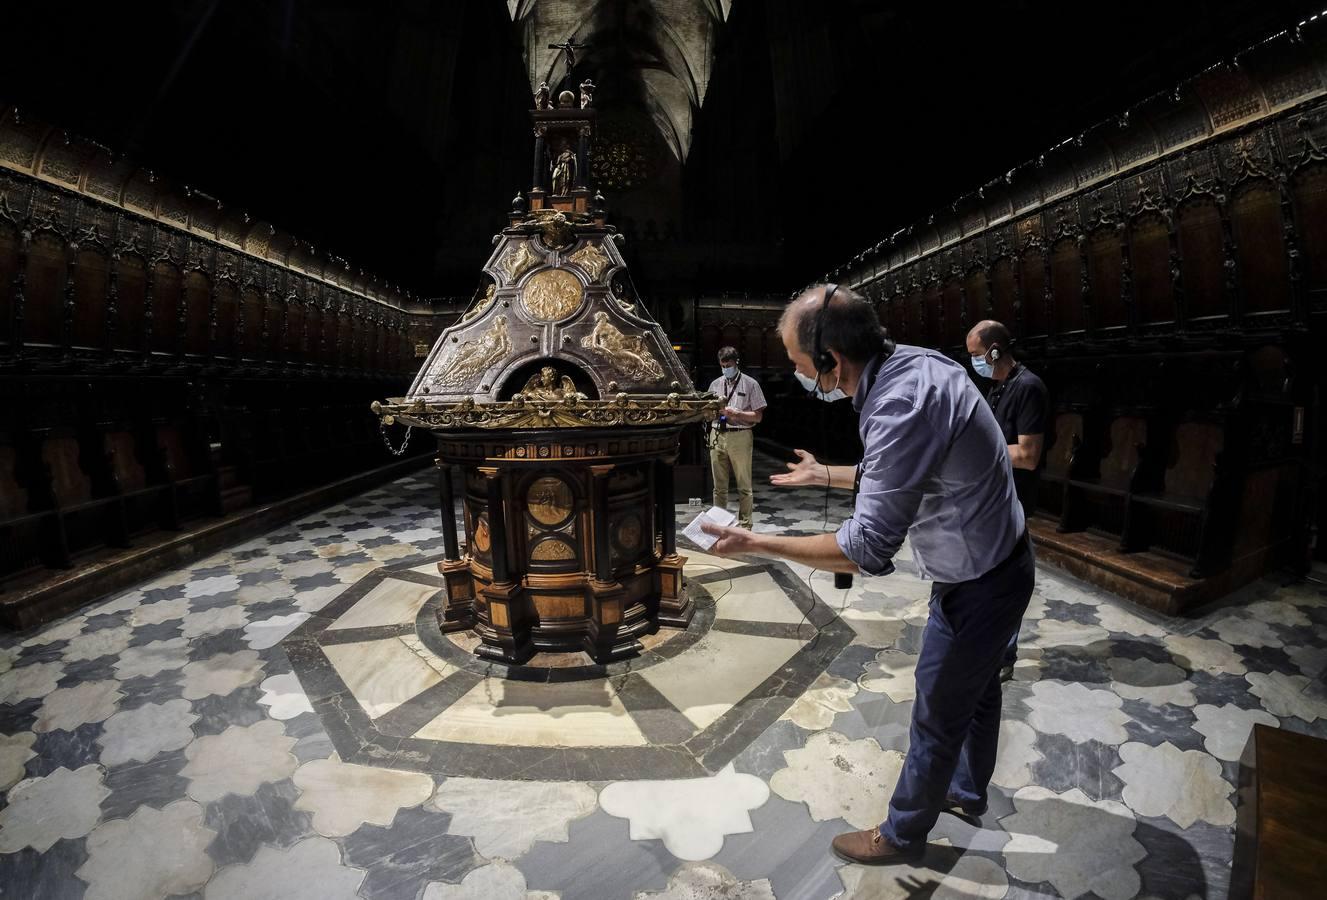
(812, 385)
(729, 371)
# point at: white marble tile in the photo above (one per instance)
(495, 881)
(893, 673)
(161, 611)
(692, 816)
(427, 569)
(96, 644)
(41, 811)
(36, 680)
(1283, 695)
(284, 697)
(816, 708)
(1075, 843)
(238, 760)
(143, 732)
(1204, 654)
(152, 658)
(1182, 785)
(270, 632)
(220, 674)
(941, 874)
(526, 714)
(1077, 712)
(153, 853)
(838, 778)
(212, 621)
(383, 674)
(87, 701)
(485, 810)
(1115, 619)
(390, 603)
(61, 631)
(1017, 755)
(343, 796)
(757, 598)
(720, 670)
(15, 751)
(211, 586)
(1241, 631)
(1226, 728)
(310, 870)
(703, 881)
(1160, 684)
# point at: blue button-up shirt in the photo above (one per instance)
(935, 468)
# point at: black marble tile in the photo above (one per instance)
(19, 716)
(599, 860)
(29, 875)
(70, 749)
(210, 572)
(163, 631)
(405, 856)
(262, 576)
(1218, 689)
(787, 847)
(1154, 725)
(154, 783)
(1194, 862)
(1081, 613)
(243, 824)
(209, 645)
(156, 595)
(1087, 766)
(219, 600)
(101, 621)
(82, 671)
(309, 582)
(764, 756)
(239, 707)
(165, 685)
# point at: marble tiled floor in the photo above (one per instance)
(162, 744)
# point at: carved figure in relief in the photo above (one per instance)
(482, 306)
(517, 261)
(545, 385)
(592, 260)
(474, 356)
(551, 295)
(587, 93)
(628, 356)
(541, 96)
(564, 171)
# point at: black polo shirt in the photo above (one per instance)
(1020, 406)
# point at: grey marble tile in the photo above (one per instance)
(30, 875)
(155, 783)
(239, 707)
(764, 756)
(16, 717)
(71, 749)
(83, 670)
(165, 685)
(789, 848)
(164, 631)
(599, 860)
(1154, 725)
(101, 621)
(1192, 862)
(403, 857)
(209, 645)
(1087, 766)
(244, 823)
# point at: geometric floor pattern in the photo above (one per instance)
(162, 744)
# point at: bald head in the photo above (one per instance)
(988, 333)
(849, 324)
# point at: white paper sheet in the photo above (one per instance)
(713, 514)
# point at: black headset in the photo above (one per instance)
(824, 360)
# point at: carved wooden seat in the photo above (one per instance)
(1065, 440)
(85, 517)
(195, 489)
(149, 501)
(1097, 491)
(1174, 510)
(1116, 468)
(23, 530)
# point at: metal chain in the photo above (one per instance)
(382, 430)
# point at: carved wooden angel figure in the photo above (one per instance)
(541, 96)
(564, 172)
(587, 93)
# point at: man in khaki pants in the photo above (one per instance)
(730, 453)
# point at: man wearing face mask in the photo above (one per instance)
(730, 451)
(936, 470)
(1018, 399)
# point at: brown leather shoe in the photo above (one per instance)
(870, 848)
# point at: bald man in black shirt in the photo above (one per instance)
(1018, 399)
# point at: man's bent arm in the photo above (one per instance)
(1026, 454)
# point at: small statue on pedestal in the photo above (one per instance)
(587, 93)
(564, 172)
(541, 96)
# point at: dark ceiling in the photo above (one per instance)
(395, 134)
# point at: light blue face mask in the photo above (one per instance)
(983, 367)
(811, 385)
(729, 371)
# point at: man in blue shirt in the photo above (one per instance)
(935, 469)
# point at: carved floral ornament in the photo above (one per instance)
(570, 412)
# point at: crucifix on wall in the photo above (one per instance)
(569, 47)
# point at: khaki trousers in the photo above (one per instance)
(731, 455)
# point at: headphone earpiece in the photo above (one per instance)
(995, 354)
(822, 359)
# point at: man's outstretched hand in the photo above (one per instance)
(731, 541)
(803, 472)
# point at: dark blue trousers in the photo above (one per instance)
(956, 718)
